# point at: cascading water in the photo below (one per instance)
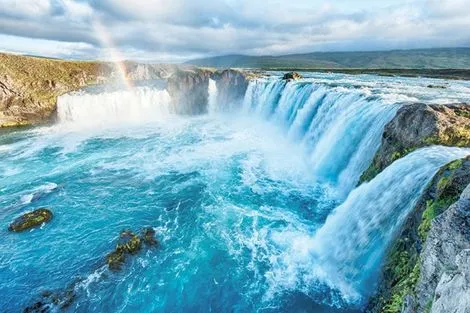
(340, 129)
(253, 210)
(367, 220)
(102, 107)
(212, 99)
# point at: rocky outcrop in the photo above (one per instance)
(30, 220)
(419, 125)
(444, 273)
(189, 88)
(231, 86)
(436, 232)
(189, 91)
(292, 76)
(453, 290)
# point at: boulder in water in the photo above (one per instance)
(115, 259)
(30, 220)
(148, 236)
(129, 242)
(292, 76)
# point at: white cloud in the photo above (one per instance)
(25, 8)
(179, 29)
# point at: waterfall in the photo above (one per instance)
(341, 129)
(351, 244)
(212, 100)
(138, 104)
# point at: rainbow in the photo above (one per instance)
(114, 55)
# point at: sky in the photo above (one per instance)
(179, 30)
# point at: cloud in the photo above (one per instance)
(180, 29)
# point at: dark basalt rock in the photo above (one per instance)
(148, 236)
(50, 300)
(292, 76)
(436, 87)
(30, 220)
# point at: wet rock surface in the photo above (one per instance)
(30, 220)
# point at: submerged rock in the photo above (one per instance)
(30, 220)
(129, 244)
(292, 76)
(50, 300)
(115, 260)
(148, 236)
(436, 86)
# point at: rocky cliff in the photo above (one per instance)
(29, 86)
(425, 268)
(419, 125)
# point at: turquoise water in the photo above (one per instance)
(215, 193)
(254, 212)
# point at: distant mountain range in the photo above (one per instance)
(442, 58)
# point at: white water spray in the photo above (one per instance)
(139, 104)
(212, 100)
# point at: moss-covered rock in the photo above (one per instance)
(129, 242)
(115, 260)
(30, 220)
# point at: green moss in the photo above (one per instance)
(428, 215)
(428, 306)
(402, 152)
(433, 209)
(455, 165)
(443, 182)
(369, 174)
(408, 275)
